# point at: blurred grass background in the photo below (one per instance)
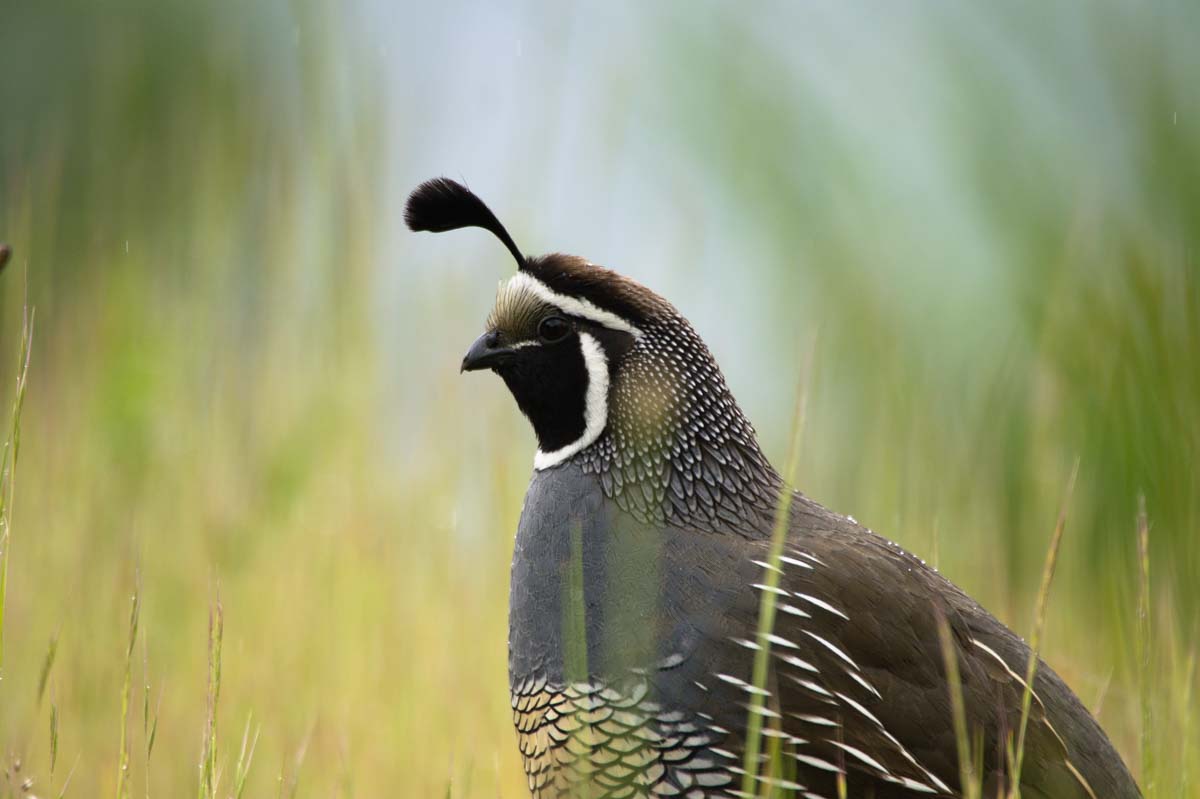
(245, 384)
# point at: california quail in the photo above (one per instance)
(639, 564)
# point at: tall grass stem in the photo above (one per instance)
(8, 461)
(771, 573)
(1144, 642)
(1039, 623)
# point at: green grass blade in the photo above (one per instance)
(966, 769)
(1144, 640)
(289, 787)
(149, 721)
(766, 613)
(1186, 747)
(208, 762)
(1039, 623)
(245, 757)
(47, 665)
(53, 737)
(8, 461)
(126, 692)
(70, 775)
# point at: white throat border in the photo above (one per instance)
(595, 409)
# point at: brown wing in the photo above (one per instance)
(861, 683)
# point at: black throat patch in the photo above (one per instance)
(549, 383)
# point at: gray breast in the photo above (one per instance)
(608, 674)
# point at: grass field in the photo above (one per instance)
(243, 400)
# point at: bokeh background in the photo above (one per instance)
(982, 218)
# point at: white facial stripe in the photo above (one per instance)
(595, 410)
(572, 305)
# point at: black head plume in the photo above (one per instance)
(5, 252)
(442, 204)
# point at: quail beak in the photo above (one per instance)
(486, 353)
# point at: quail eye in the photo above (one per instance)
(553, 328)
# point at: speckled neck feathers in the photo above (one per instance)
(677, 448)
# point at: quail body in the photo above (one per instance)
(639, 567)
